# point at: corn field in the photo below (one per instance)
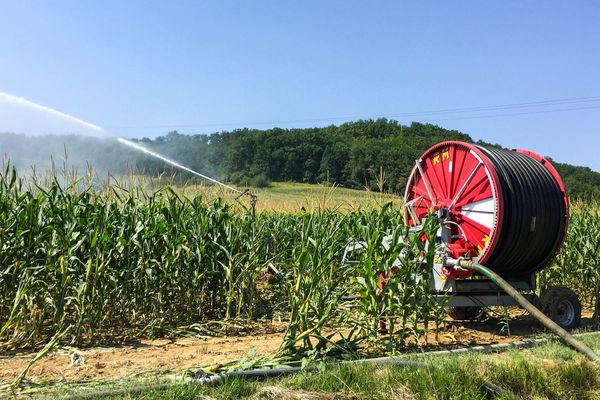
(578, 265)
(128, 263)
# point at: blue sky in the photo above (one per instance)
(145, 68)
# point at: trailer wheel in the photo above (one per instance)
(562, 306)
(465, 313)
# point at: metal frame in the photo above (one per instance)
(484, 293)
(481, 300)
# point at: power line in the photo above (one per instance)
(519, 113)
(447, 111)
(510, 106)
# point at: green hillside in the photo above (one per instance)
(374, 154)
(362, 154)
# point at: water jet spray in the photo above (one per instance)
(241, 193)
(23, 102)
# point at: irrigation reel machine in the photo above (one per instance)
(505, 209)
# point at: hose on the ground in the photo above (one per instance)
(261, 374)
(533, 310)
(126, 391)
(280, 372)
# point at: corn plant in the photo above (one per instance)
(393, 279)
(131, 262)
(315, 279)
(577, 264)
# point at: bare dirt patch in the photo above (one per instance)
(145, 355)
(181, 353)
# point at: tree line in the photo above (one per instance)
(374, 154)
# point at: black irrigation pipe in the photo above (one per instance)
(122, 391)
(534, 213)
(203, 379)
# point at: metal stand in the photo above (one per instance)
(483, 292)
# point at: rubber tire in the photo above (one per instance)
(552, 297)
(464, 313)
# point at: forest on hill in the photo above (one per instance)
(370, 154)
(375, 154)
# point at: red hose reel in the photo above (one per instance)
(494, 200)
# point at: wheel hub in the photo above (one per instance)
(566, 312)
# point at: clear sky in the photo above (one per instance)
(145, 68)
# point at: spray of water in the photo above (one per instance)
(175, 164)
(9, 98)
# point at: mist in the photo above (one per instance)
(46, 154)
(41, 141)
(20, 115)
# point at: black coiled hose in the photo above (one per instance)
(534, 214)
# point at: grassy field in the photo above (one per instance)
(294, 197)
(548, 371)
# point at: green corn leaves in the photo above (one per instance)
(577, 265)
(130, 263)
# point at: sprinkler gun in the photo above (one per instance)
(247, 192)
(253, 199)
